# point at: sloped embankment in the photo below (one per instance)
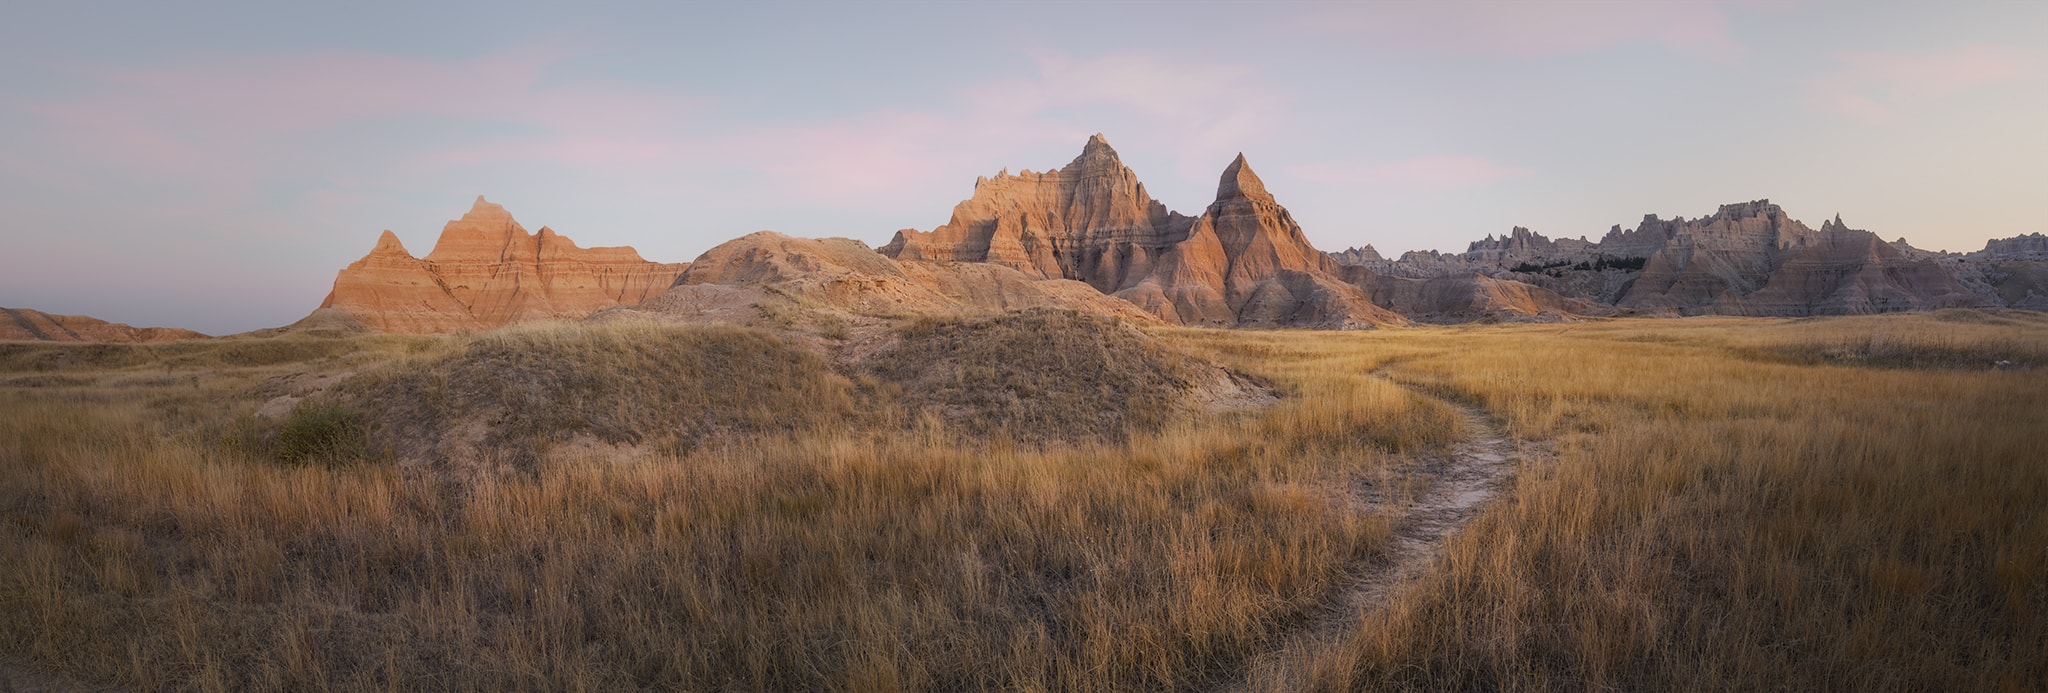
(1049, 375)
(511, 397)
(507, 397)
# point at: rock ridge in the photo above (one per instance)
(485, 271)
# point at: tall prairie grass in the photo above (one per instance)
(151, 555)
(1722, 516)
(1724, 510)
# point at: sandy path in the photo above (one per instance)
(1454, 486)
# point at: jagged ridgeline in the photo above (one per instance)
(1089, 237)
(1749, 258)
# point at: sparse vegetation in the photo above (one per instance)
(1038, 376)
(319, 430)
(1599, 263)
(508, 397)
(1723, 512)
(1715, 521)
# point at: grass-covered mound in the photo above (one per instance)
(1954, 339)
(1042, 375)
(511, 395)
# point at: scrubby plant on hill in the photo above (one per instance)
(508, 396)
(1039, 375)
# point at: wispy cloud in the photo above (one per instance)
(1427, 173)
(228, 125)
(1875, 87)
(1534, 29)
(236, 118)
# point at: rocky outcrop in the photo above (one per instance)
(23, 324)
(1090, 221)
(1470, 298)
(1844, 271)
(1748, 258)
(1711, 264)
(2013, 270)
(2033, 246)
(486, 271)
(1244, 261)
(1522, 246)
(1752, 259)
(767, 278)
(1363, 257)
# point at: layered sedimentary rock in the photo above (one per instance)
(1522, 246)
(2033, 246)
(1747, 258)
(1090, 221)
(2013, 270)
(1753, 259)
(1844, 271)
(1710, 265)
(24, 324)
(1244, 261)
(1469, 297)
(767, 274)
(486, 271)
(1358, 256)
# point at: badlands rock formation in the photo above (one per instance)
(1844, 271)
(2033, 246)
(487, 271)
(23, 324)
(2014, 270)
(1088, 237)
(1747, 258)
(764, 276)
(1244, 261)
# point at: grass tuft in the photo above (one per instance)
(321, 431)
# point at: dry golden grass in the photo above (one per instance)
(1726, 510)
(1717, 519)
(154, 556)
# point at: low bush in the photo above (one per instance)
(320, 431)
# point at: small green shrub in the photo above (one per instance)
(321, 431)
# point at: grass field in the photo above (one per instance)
(1834, 503)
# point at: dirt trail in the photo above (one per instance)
(1453, 486)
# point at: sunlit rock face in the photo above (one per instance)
(1244, 261)
(487, 271)
(1091, 221)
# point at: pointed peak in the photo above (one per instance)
(1096, 155)
(488, 216)
(486, 212)
(1240, 181)
(388, 243)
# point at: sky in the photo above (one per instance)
(212, 165)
